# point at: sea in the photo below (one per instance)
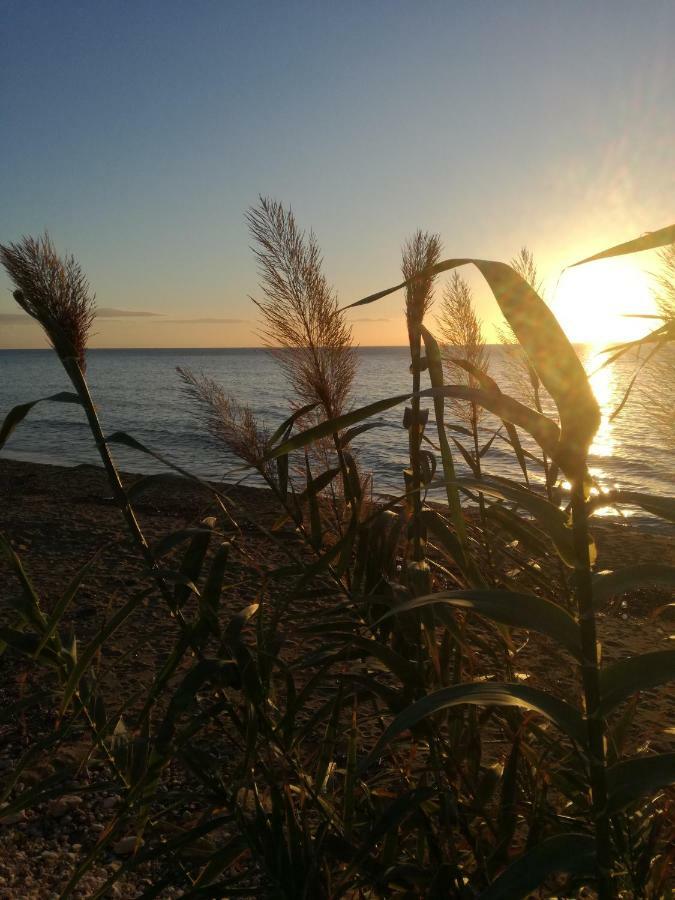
(139, 392)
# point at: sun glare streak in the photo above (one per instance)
(591, 302)
(604, 386)
(607, 387)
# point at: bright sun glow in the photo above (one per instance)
(591, 301)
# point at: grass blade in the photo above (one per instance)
(508, 608)
(16, 415)
(638, 673)
(572, 854)
(484, 694)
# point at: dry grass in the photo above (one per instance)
(54, 291)
(522, 380)
(461, 333)
(231, 424)
(418, 253)
(302, 324)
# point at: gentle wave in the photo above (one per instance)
(139, 392)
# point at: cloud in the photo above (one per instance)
(109, 312)
(371, 320)
(214, 321)
(16, 319)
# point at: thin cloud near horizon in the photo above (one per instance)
(355, 321)
(110, 313)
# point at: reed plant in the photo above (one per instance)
(396, 753)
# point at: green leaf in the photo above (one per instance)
(508, 608)
(170, 541)
(331, 426)
(351, 433)
(310, 492)
(193, 560)
(28, 603)
(390, 819)
(525, 531)
(16, 415)
(648, 241)
(362, 647)
(663, 507)
(65, 600)
(28, 644)
(448, 541)
(550, 519)
(100, 638)
(612, 584)
(285, 428)
(548, 350)
(517, 447)
(631, 779)
(571, 854)
(121, 437)
(637, 673)
(544, 430)
(484, 694)
(435, 364)
(209, 600)
(238, 622)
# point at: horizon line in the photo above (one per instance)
(252, 347)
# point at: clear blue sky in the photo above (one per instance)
(139, 132)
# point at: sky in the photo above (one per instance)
(138, 133)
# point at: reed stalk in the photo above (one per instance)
(420, 252)
(462, 334)
(56, 293)
(590, 672)
(302, 325)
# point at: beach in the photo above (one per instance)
(57, 518)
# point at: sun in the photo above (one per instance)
(591, 302)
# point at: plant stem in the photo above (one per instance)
(481, 499)
(590, 671)
(80, 384)
(414, 444)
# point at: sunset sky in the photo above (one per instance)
(139, 133)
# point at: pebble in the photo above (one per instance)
(63, 805)
(13, 818)
(125, 846)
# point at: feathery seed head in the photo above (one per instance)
(302, 325)
(231, 424)
(462, 336)
(54, 291)
(419, 252)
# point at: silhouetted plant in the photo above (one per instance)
(398, 754)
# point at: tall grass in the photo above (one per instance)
(396, 753)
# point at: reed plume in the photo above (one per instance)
(665, 280)
(660, 358)
(231, 424)
(462, 338)
(523, 380)
(54, 291)
(302, 325)
(419, 252)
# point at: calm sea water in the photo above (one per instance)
(138, 391)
